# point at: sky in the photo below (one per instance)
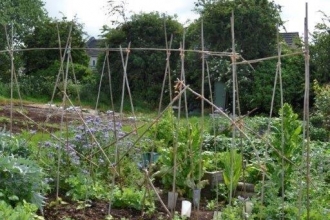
(93, 13)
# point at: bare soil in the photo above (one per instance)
(99, 210)
(33, 117)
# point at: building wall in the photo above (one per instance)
(92, 62)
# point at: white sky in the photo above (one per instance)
(93, 13)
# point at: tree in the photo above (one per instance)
(320, 51)
(18, 17)
(262, 85)
(255, 24)
(145, 68)
(45, 35)
(21, 15)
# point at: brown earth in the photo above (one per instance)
(97, 210)
(33, 117)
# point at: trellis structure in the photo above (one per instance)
(182, 89)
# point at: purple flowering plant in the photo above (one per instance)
(87, 148)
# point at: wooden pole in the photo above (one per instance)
(233, 59)
(306, 112)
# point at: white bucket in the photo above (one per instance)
(186, 209)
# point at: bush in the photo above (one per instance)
(317, 130)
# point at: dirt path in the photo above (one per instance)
(37, 117)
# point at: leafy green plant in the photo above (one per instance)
(129, 197)
(83, 187)
(290, 145)
(232, 212)
(24, 211)
(21, 180)
(320, 119)
(216, 143)
(188, 142)
(11, 145)
(219, 126)
(164, 129)
(232, 161)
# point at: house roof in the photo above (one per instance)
(289, 37)
(93, 43)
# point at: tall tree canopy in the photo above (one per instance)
(145, 68)
(18, 17)
(255, 26)
(45, 35)
(320, 51)
(22, 15)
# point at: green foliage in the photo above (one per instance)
(23, 14)
(221, 143)
(320, 119)
(24, 211)
(36, 86)
(19, 16)
(219, 125)
(231, 212)
(253, 20)
(273, 206)
(45, 35)
(212, 161)
(145, 30)
(320, 154)
(260, 90)
(232, 161)
(164, 129)
(186, 140)
(320, 50)
(292, 140)
(213, 204)
(82, 187)
(41, 83)
(129, 168)
(79, 176)
(318, 132)
(131, 198)
(21, 180)
(216, 143)
(10, 145)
